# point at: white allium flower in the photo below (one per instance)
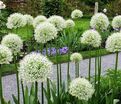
(29, 19)
(105, 10)
(58, 22)
(115, 101)
(91, 38)
(13, 42)
(34, 67)
(81, 88)
(39, 19)
(113, 43)
(2, 5)
(76, 57)
(116, 23)
(99, 21)
(5, 55)
(70, 23)
(16, 20)
(76, 14)
(45, 32)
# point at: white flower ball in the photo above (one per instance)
(116, 23)
(13, 42)
(29, 19)
(76, 14)
(91, 38)
(34, 67)
(58, 22)
(105, 10)
(39, 19)
(70, 23)
(45, 32)
(81, 88)
(113, 43)
(16, 20)
(99, 21)
(76, 57)
(2, 5)
(5, 55)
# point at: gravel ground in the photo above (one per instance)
(108, 61)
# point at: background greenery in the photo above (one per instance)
(63, 7)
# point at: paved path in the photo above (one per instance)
(108, 61)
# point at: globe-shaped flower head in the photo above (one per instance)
(76, 57)
(58, 22)
(34, 67)
(116, 23)
(45, 32)
(13, 42)
(113, 43)
(70, 23)
(76, 14)
(16, 20)
(81, 88)
(99, 21)
(91, 38)
(5, 55)
(39, 19)
(29, 19)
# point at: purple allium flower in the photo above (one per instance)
(63, 50)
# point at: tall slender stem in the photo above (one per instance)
(57, 69)
(89, 71)
(1, 91)
(76, 69)
(36, 92)
(42, 94)
(17, 77)
(22, 86)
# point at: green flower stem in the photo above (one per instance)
(99, 76)
(95, 71)
(76, 69)
(48, 89)
(17, 78)
(42, 94)
(116, 68)
(57, 69)
(36, 92)
(22, 86)
(89, 71)
(60, 74)
(1, 91)
(68, 69)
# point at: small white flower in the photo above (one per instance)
(58, 22)
(76, 14)
(115, 101)
(91, 38)
(13, 42)
(45, 32)
(70, 23)
(5, 55)
(16, 20)
(81, 88)
(99, 21)
(2, 5)
(76, 57)
(39, 19)
(116, 23)
(113, 43)
(34, 67)
(29, 19)
(105, 10)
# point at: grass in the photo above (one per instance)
(10, 69)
